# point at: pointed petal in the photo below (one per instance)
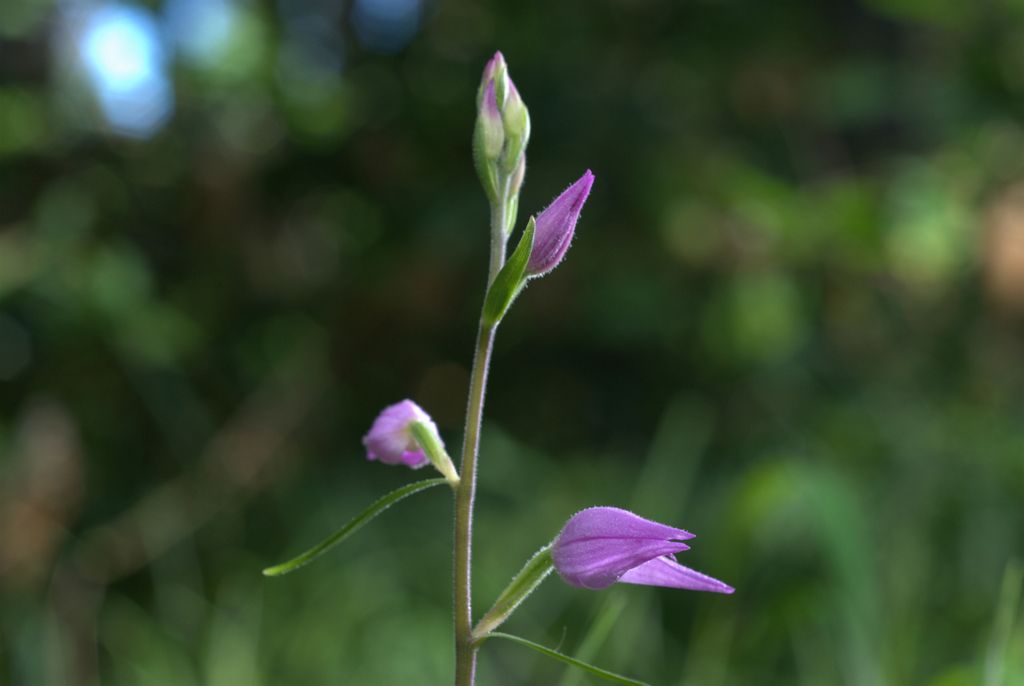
(665, 571)
(556, 224)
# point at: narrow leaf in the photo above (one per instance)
(354, 525)
(997, 657)
(509, 280)
(580, 664)
(597, 634)
(522, 585)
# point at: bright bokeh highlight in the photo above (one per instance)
(121, 52)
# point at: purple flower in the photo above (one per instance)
(603, 545)
(555, 226)
(390, 439)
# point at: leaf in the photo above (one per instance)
(598, 632)
(522, 585)
(580, 664)
(998, 656)
(509, 280)
(354, 525)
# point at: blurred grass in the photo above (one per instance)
(791, 323)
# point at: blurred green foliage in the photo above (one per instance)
(791, 322)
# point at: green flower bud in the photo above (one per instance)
(488, 142)
(516, 121)
(496, 72)
(501, 134)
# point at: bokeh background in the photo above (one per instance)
(791, 322)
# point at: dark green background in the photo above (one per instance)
(791, 322)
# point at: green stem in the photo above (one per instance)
(498, 238)
(465, 650)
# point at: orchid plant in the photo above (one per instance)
(598, 546)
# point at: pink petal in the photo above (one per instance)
(665, 571)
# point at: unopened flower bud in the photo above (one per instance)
(390, 439)
(604, 545)
(555, 227)
(404, 434)
(516, 120)
(490, 131)
(501, 133)
(488, 141)
(496, 72)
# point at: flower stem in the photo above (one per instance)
(465, 650)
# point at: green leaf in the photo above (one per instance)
(997, 655)
(354, 525)
(509, 280)
(525, 582)
(580, 664)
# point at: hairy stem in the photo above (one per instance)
(465, 650)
